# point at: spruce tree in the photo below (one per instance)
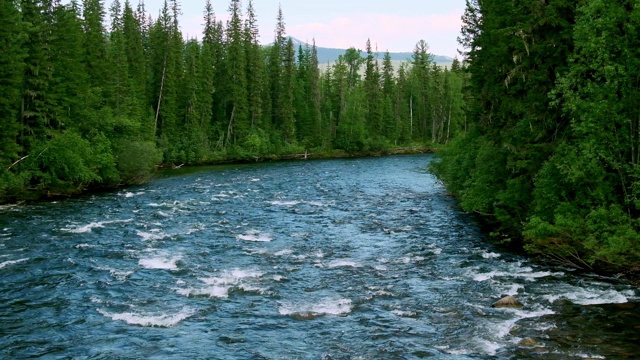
(389, 118)
(255, 68)
(12, 43)
(236, 100)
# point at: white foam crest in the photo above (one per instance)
(155, 234)
(149, 320)
(130, 194)
(120, 275)
(490, 255)
(292, 203)
(502, 329)
(219, 286)
(160, 263)
(256, 251)
(12, 262)
(513, 289)
(254, 236)
(586, 356)
(526, 273)
(489, 347)
(401, 313)
(284, 252)
(254, 289)
(285, 203)
(343, 263)
(232, 277)
(409, 259)
(589, 296)
(211, 292)
(84, 246)
(324, 307)
(89, 227)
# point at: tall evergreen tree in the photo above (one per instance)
(12, 43)
(255, 68)
(93, 14)
(372, 89)
(237, 107)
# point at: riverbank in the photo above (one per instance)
(35, 195)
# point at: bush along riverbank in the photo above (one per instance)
(22, 194)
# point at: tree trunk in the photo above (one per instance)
(164, 69)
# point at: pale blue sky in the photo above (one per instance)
(392, 25)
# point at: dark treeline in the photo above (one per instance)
(84, 106)
(552, 150)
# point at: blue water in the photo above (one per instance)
(336, 259)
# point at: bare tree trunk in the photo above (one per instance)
(230, 127)
(164, 69)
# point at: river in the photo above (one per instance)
(326, 259)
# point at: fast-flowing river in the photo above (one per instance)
(336, 259)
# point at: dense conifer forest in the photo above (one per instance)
(85, 107)
(551, 152)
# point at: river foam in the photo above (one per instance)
(323, 307)
(12, 262)
(590, 296)
(160, 263)
(80, 229)
(254, 236)
(149, 319)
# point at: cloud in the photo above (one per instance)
(392, 32)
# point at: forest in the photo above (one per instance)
(550, 155)
(88, 106)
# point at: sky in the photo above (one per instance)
(391, 25)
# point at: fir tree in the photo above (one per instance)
(12, 42)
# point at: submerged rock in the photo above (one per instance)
(508, 301)
(528, 342)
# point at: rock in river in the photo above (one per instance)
(508, 301)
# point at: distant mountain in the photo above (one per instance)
(330, 55)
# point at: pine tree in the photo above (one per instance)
(389, 118)
(236, 103)
(421, 100)
(275, 70)
(255, 68)
(118, 82)
(95, 43)
(69, 75)
(372, 89)
(314, 98)
(285, 108)
(208, 66)
(12, 38)
(136, 68)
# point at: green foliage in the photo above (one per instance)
(70, 163)
(550, 145)
(136, 160)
